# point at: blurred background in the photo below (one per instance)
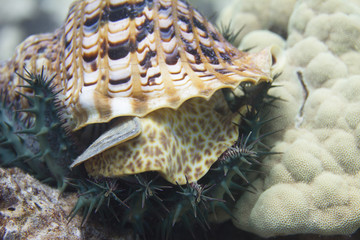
(22, 18)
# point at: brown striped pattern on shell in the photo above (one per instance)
(130, 57)
(34, 53)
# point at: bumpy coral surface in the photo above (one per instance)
(256, 15)
(313, 186)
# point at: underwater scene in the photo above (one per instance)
(180, 119)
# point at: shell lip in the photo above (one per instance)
(93, 116)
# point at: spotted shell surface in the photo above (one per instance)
(180, 144)
(159, 60)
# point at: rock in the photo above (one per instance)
(32, 210)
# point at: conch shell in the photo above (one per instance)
(142, 59)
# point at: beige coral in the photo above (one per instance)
(314, 185)
(256, 15)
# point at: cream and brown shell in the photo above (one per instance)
(159, 61)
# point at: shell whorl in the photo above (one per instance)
(36, 52)
(130, 57)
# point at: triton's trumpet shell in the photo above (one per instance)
(157, 60)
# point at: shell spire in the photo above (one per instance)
(131, 57)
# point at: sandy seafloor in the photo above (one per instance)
(22, 18)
